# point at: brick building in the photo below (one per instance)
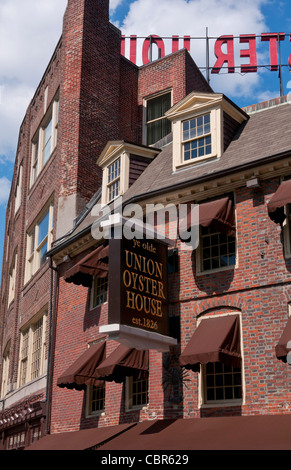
(100, 129)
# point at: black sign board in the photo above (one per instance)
(138, 284)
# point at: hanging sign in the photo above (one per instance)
(144, 285)
(138, 291)
(138, 273)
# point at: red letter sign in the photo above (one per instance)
(221, 56)
(251, 52)
(272, 38)
(146, 46)
(175, 43)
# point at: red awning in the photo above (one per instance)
(85, 439)
(93, 264)
(259, 432)
(218, 214)
(282, 348)
(121, 363)
(79, 374)
(215, 340)
(276, 205)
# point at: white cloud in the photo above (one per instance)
(4, 190)
(29, 31)
(192, 17)
(113, 4)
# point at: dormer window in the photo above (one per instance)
(114, 180)
(203, 126)
(122, 163)
(196, 137)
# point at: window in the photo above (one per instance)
(99, 291)
(47, 140)
(137, 392)
(196, 137)
(217, 250)
(24, 357)
(5, 371)
(16, 441)
(32, 350)
(95, 399)
(113, 180)
(157, 125)
(118, 163)
(18, 189)
(39, 239)
(36, 353)
(12, 279)
(221, 383)
(44, 141)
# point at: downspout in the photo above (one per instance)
(51, 345)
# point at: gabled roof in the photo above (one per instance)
(115, 147)
(263, 138)
(265, 134)
(204, 101)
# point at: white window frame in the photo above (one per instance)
(216, 132)
(18, 189)
(145, 104)
(12, 279)
(34, 246)
(129, 394)
(27, 333)
(196, 138)
(38, 143)
(5, 370)
(123, 178)
(114, 179)
(201, 378)
(99, 292)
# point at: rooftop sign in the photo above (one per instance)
(224, 50)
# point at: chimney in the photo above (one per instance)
(89, 103)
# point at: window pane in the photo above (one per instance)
(43, 228)
(100, 287)
(156, 107)
(43, 253)
(157, 130)
(47, 141)
(114, 171)
(217, 249)
(114, 190)
(195, 129)
(206, 118)
(36, 349)
(139, 392)
(97, 398)
(223, 383)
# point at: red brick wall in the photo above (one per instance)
(177, 72)
(259, 289)
(89, 114)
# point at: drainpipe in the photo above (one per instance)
(51, 345)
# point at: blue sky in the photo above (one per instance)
(30, 29)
